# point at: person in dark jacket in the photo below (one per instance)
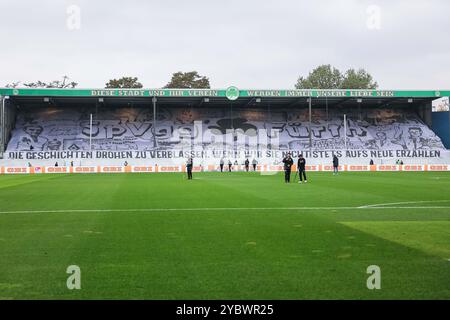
(229, 165)
(301, 163)
(335, 165)
(247, 164)
(189, 165)
(288, 162)
(221, 164)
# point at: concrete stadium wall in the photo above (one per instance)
(174, 169)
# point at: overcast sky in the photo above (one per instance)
(404, 44)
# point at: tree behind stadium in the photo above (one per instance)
(328, 77)
(188, 80)
(124, 82)
(64, 84)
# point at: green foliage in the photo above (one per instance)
(61, 84)
(359, 79)
(188, 80)
(328, 77)
(13, 84)
(322, 77)
(124, 82)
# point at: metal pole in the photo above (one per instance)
(233, 132)
(345, 131)
(310, 119)
(90, 133)
(2, 128)
(359, 109)
(269, 134)
(154, 121)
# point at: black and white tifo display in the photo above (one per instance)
(43, 136)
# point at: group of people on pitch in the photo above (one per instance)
(288, 162)
(230, 164)
(190, 164)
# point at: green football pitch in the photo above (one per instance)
(225, 236)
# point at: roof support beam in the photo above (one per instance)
(340, 103)
(388, 102)
(250, 101)
(297, 102)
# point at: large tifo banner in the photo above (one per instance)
(65, 135)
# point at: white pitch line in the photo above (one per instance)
(217, 209)
(410, 207)
(377, 205)
(175, 209)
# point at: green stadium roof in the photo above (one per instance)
(232, 93)
(220, 97)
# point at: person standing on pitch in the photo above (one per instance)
(221, 164)
(247, 163)
(301, 163)
(288, 162)
(189, 165)
(254, 163)
(229, 165)
(335, 165)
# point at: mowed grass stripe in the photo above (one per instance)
(223, 190)
(225, 209)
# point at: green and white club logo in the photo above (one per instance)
(232, 93)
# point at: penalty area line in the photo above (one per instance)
(391, 204)
(223, 209)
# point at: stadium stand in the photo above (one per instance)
(130, 129)
(156, 128)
